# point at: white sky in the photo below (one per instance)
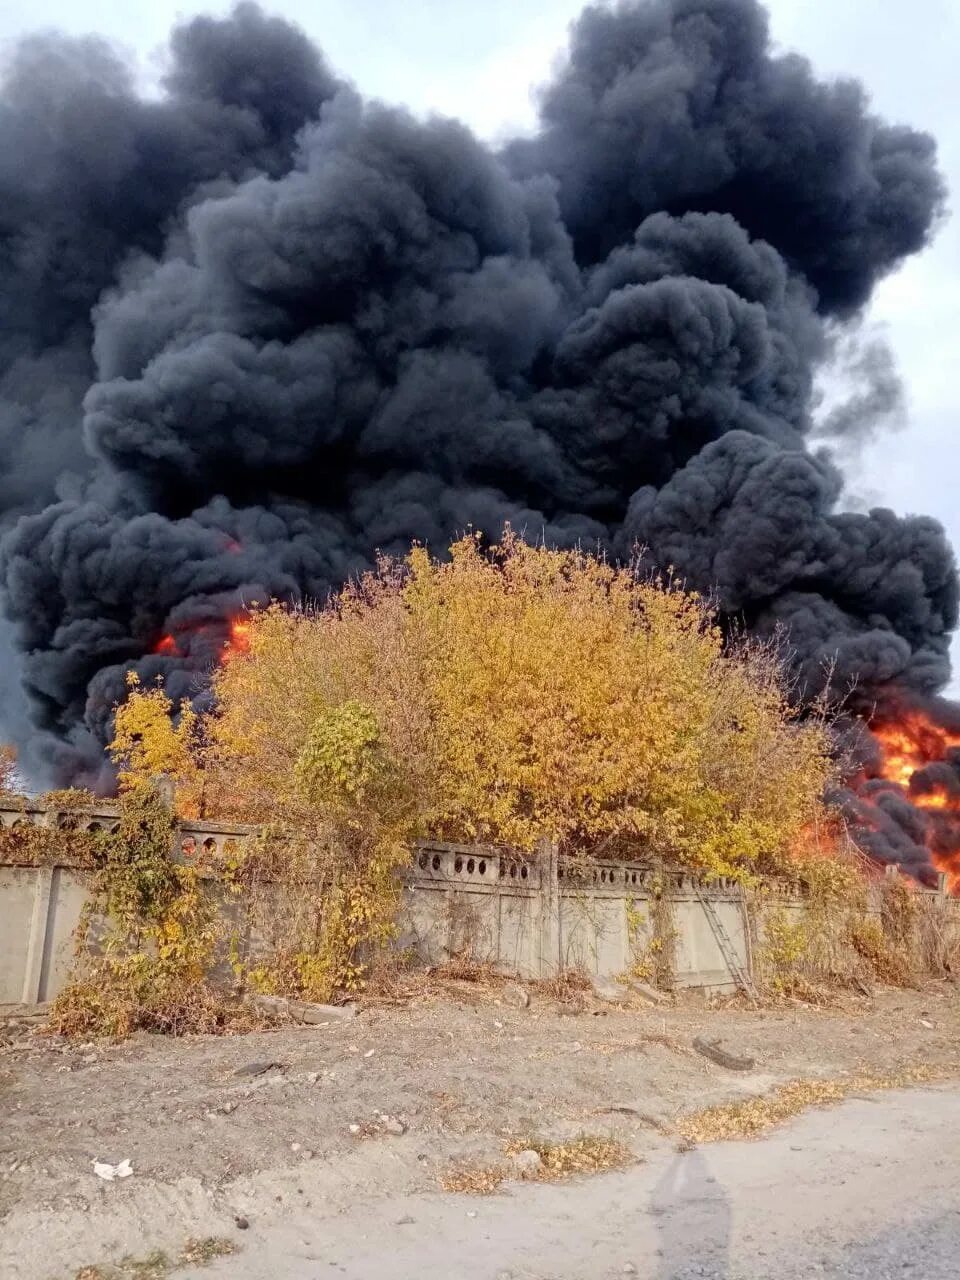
(477, 59)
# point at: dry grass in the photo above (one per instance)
(394, 981)
(474, 1179)
(561, 1160)
(754, 1116)
(102, 1005)
(569, 987)
(586, 1154)
(157, 1265)
(938, 934)
(152, 1267)
(197, 1253)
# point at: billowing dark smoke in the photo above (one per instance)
(259, 328)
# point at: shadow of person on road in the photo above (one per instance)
(693, 1219)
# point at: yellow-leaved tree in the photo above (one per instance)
(506, 694)
(571, 700)
(153, 739)
(9, 782)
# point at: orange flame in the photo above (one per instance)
(238, 639)
(167, 645)
(909, 744)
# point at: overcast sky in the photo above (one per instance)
(478, 59)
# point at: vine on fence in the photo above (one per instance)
(42, 844)
(30, 845)
(855, 927)
(146, 937)
(336, 884)
(652, 937)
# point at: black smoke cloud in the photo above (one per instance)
(91, 175)
(258, 328)
(679, 106)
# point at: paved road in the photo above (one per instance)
(869, 1190)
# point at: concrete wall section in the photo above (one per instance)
(698, 956)
(39, 912)
(482, 905)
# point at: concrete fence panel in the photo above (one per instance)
(530, 916)
(39, 911)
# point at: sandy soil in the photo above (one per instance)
(216, 1133)
(864, 1191)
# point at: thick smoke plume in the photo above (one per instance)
(259, 328)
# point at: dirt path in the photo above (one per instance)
(866, 1192)
(354, 1113)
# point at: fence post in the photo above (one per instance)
(549, 859)
(664, 933)
(37, 942)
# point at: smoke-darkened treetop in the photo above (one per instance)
(256, 329)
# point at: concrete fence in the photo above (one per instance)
(540, 916)
(533, 917)
(40, 907)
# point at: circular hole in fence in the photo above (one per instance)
(523, 873)
(94, 826)
(513, 871)
(436, 862)
(470, 866)
(422, 862)
(482, 867)
(188, 847)
(210, 845)
(458, 864)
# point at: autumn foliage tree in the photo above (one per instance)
(520, 693)
(9, 783)
(153, 739)
(508, 695)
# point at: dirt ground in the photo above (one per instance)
(226, 1134)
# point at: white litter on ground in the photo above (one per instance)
(110, 1171)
